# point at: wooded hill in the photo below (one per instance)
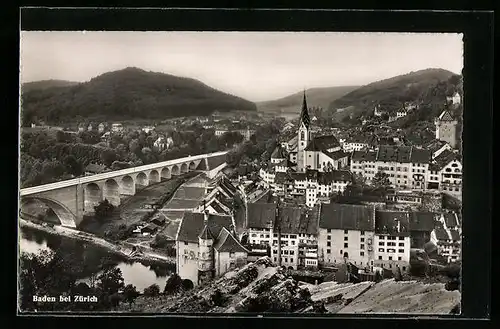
(130, 93)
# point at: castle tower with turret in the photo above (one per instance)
(446, 128)
(304, 135)
(206, 258)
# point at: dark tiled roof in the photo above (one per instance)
(192, 225)
(214, 162)
(443, 159)
(322, 143)
(228, 185)
(441, 234)
(217, 207)
(282, 177)
(278, 153)
(386, 222)
(304, 114)
(434, 145)
(206, 234)
(346, 217)
(403, 154)
(455, 235)
(336, 155)
(261, 215)
(446, 116)
(298, 176)
(295, 220)
(334, 176)
(364, 156)
(226, 242)
(450, 219)
(422, 221)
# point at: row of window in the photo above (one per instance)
(345, 232)
(390, 258)
(390, 250)
(391, 244)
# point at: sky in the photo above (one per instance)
(257, 66)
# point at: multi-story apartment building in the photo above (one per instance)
(447, 236)
(392, 239)
(346, 234)
(406, 166)
(296, 228)
(445, 173)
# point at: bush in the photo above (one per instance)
(103, 209)
(152, 291)
(173, 285)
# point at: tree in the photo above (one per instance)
(130, 293)
(152, 291)
(73, 165)
(173, 285)
(110, 281)
(381, 179)
(108, 156)
(104, 209)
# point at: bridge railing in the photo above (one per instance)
(111, 174)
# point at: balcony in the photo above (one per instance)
(312, 255)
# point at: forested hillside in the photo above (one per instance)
(130, 93)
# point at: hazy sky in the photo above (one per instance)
(255, 65)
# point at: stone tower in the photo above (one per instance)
(446, 128)
(206, 258)
(304, 135)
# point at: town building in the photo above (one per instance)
(346, 234)
(447, 236)
(148, 129)
(455, 99)
(422, 223)
(356, 143)
(207, 247)
(392, 240)
(401, 113)
(406, 166)
(446, 128)
(437, 146)
(378, 112)
(296, 226)
(445, 173)
(304, 135)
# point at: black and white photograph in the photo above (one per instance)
(199, 172)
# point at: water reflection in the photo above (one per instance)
(93, 258)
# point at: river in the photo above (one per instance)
(141, 276)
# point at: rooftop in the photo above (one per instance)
(386, 222)
(322, 143)
(226, 242)
(403, 154)
(347, 217)
(192, 225)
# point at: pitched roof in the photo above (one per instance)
(260, 215)
(322, 143)
(336, 154)
(304, 114)
(386, 222)
(434, 145)
(206, 234)
(215, 161)
(446, 116)
(443, 159)
(422, 221)
(455, 235)
(441, 234)
(450, 219)
(217, 207)
(278, 153)
(226, 242)
(297, 220)
(364, 156)
(326, 178)
(192, 225)
(346, 217)
(403, 154)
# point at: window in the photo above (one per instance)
(275, 259)
(275, 251)
(381, 243)
(293, 243)
(390, 257)
(399, 258)
(362, 233)
(328, 244)
(381, 250)
(346, 231)
(346, 238)
(292, 236)
(401, 238)
(404, 268)
(362, 246)
(401, 251)
(328, 237)
(231, 255)
(401, 244)
(345, 245)
(361, 253)
(186, 243)
(291, 252)
(379, 258)
(328, 251)
(362, 239)
(341, 252)
(382, 237)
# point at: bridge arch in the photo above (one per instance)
(184, 168)
(192, 165)
(154, 176)
(141, 179)
(66, 217)
(127, 185)
(112, 192)
(175, 170)
(165, 173)
(92, 196)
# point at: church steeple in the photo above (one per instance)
(304, 114)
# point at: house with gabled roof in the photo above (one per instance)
(445, 173)
(207, 246)
(447, 236)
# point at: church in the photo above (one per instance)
(322, 153)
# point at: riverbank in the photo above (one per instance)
(145, 257)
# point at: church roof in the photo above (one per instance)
(446, 116)
(304, 114)
(322, 143)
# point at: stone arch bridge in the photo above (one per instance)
(73, 198)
